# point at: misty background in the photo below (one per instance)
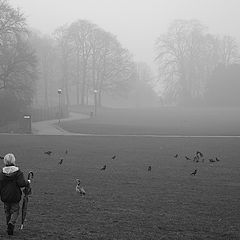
(125, 54)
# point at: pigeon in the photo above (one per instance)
(198, 153)
(61, 161)
(104, 167)
(80, 189)
(114, 157)
(196, 159)
(176, 156)
(149, 168)
(48, 153)
(1, 157)
(217, 159)
(194, 172)
(187, 158)
(211, 160)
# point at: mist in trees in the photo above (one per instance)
(188, 56)
(194, 66)
(18, 63)
(80, 58)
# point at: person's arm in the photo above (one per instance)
(21, 182)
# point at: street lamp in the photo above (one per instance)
(59, 105)
(95, 102)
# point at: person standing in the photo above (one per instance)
(11, 182)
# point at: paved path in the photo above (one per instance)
(51, 127)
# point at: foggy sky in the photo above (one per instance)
(136, 23)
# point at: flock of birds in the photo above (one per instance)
(198, 157)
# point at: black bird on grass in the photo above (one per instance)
(61, 161)
(48, 153)
(176, 156)
(114, 157)
(199, 154)
(104, 168)
(212, 160)
(196, 159)
(194, 172)
(149, 168)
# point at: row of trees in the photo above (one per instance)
(187, 57)
(82, 57)
(78, 58)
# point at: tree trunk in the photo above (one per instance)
(78, 79)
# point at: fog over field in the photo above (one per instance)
(125, 54)
(124, 115)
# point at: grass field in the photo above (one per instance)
(126, 201)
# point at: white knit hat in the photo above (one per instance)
(9, 159)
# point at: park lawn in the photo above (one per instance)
(126, 201)
(163, 121)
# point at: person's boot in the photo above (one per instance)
(10, 229)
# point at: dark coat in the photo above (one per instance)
(11, 183)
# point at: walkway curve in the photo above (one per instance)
(51, 127)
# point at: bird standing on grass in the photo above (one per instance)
(80, 189)
(61, 161)
(199, 154)
(194, 172)
(48, 153)
(149, 168)
(114, 157)
(212, 160)
(104, 168)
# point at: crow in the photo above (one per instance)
(199, 153)
(80, 189)
(217, 159)
(196, 159)
(48, 153)
(61, 161)
(104, 167)
(1, 157)
(149, 168)
(194, 172)
(211, 160)
(176, 156)
(114, 157)
(187, 158)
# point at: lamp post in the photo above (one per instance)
(95, 102)
(59, 105)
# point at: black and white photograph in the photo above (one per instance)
(120, 119)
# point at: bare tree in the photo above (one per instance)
(18, 68)
(12, 21)
(80, 32)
